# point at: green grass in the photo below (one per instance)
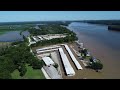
(3, 31)
(87, 57)
(30, 74)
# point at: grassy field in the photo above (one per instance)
(30, 74)
(3, 31)
(7, 28)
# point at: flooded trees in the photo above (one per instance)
(96, 65)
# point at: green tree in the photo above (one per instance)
(97, 66)
(37, 64)
(5, 75)
(56, 65)
(6, 67)
(22, 69)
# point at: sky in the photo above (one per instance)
(14, 16)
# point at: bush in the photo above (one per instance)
(91, 59)
(37, 64)
(56, 65)
(22, 70)
(5, 75)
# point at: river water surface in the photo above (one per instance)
(103, 44)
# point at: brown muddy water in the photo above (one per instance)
(103, 44)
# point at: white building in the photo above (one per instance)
(48, 48)
(48, 61)
(73, 57)
(35, 38)
(36, 27)
(68, 68)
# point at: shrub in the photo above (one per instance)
(56, 65)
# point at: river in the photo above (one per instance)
(103, 44)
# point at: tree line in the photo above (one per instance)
(104, 22)
(53, 29)
(49, 29)
(69, 38)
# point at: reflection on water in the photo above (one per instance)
(102, 43)
(13, 36)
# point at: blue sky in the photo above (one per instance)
(13, 16)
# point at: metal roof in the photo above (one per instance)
(68, 68)
(52, 72)
(46, 48)
(73, 57)
(48, 61)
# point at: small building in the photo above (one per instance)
(48, 61)
(88, 54)
(36, 39)
(80, 44)
(36, 27)
(40, 37)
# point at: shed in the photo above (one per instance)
(48, 61)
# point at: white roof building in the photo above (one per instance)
(73, 57)
(44, 51)
(47, 48)
(36, 39)
(48, 61)
(40, 37)
(68, 68)
(36, 27)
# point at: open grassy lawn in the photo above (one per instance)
(5, 29)
(30, 74)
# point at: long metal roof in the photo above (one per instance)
(73, 57)
(68, 68)
(46, 48)
(50, 50)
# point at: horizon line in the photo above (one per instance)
(56, 20)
